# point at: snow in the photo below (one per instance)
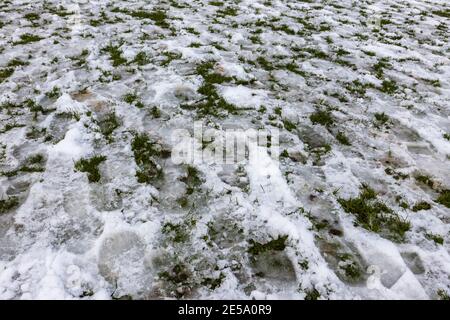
(187, 232)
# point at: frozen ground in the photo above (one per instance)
(92, 207)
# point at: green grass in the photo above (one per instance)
(426, 180)
(312, 294)
(322, 117)
(357, 87)
(170, 56)
(191, 179)
(5, 73)
(442, 13)
(32, 16)
(435, 237)
(289, 125)
(228, 11)
(35, 133)
(8, 204)
(27, 38)
(316, 53)
(342, 138)
(155, 112)
(108, 124)
(90, 166)
(380, 66)
(212, 103)
(381, 118)
(423, 205)
(133, 99)
(216, 3)
(443, 295)
(444, 198)
(145, 154)
(141, 59)
(159, 17)
(213, 283)
(446, 136)
(17, 63)
(34, 163)
(115, 55)
(276, 245)
(389, 87)
(265, 64)
(395, 174)
(178, 232)
(55, 93)
(374, 215)
(349, 267)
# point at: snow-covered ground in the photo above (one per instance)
(92, 207)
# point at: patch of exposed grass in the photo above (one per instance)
(170, 56)
(212, 103)
(80, 60)
(357, 87)
(141, 59)
(90, 166)
(265, 64)
(107, 124)
(342, 138)
(312, 294)
(316, 53)
(35, 133)
(435, 237)
(423, 205)
(34, 163)
(442, 13)
(10, 126)
(389, 86)
(444, 198)
(133, 99)
(374, 215)
(28, 38)
(55, 93)
(228, 11)
(381, 118)
(5, 73)
(16, 63)
(8, 204)
(446, 136)
(443, 295)
(159, 17)
(31, 16)
(322, 117)
(155, 112)
(276, 244)
(213, 283)
(178, 233)
(289, 125)
(115, 55)
(379, 67)
(426, 180)
(349, 267)
(192, 179)
(395, 174)
(146, 153)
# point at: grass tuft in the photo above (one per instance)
(90, 166)
(374, 215)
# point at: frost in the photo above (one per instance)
(355, 207)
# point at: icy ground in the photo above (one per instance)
(92, 207)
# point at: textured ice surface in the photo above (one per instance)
(92, 207)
